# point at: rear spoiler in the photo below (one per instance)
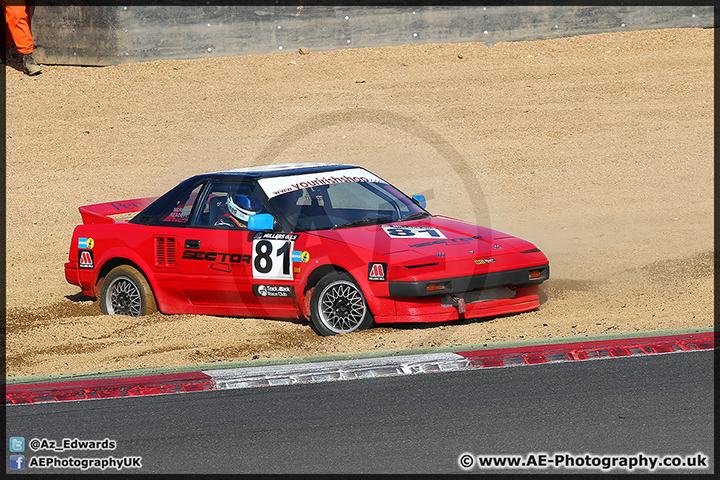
(100, 213)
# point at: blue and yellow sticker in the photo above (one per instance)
(86, 243)
(298, 256)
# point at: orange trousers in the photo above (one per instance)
(17, 29)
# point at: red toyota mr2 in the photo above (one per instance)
(329, 243)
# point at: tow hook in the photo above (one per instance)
(460, 304)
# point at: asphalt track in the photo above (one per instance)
(650, 404)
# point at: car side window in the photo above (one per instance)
(179, 212)
(229, 205)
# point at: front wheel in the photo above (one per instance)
(125, 291)
(339, 306)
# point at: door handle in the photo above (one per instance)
(192, 243)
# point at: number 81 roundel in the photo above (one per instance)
(271, 258)
(405, 231)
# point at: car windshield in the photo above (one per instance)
(343, 205)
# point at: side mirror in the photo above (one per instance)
(420, 200)
(261, 222)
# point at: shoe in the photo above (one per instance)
(31, 67)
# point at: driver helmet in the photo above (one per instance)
(239, 207)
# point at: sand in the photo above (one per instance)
(598, 149)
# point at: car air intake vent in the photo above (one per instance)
(165, 252)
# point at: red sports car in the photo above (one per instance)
(331, 243)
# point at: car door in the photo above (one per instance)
(215, 261)
(224, 264)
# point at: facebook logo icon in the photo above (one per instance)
(17, 462)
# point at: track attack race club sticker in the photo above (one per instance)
(274, 291)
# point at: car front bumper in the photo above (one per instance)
(455, 285)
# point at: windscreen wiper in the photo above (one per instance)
(362, 221)
(415, 216)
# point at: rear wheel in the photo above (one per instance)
(339, 306)
(125, 291)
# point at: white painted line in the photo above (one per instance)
(336, 370)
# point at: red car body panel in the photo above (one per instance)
(194, 270)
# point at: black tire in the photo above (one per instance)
(126, 291)
(339, 306)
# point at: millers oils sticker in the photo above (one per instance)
(86, 259)
(377, 272)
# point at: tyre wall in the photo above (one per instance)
(112, 35)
